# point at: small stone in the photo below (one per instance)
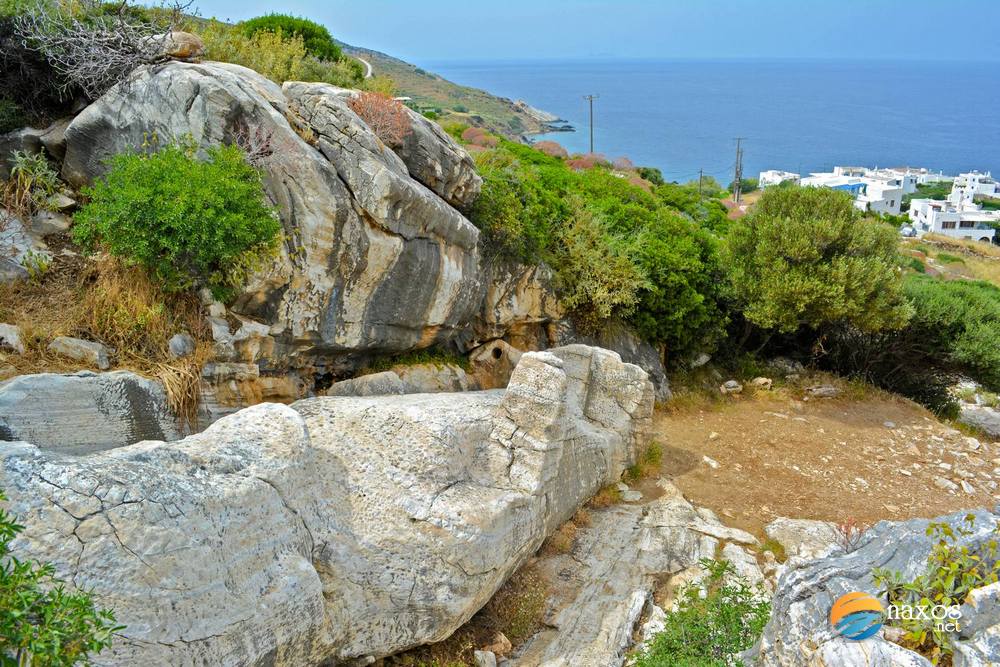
(945, 484)
(715, 436)
(60, 202)
(889, 424)
(700, 360)
(216, 309)
(731, 387)
(631, 496)
(903, 471)
(485, 659)
(10, 338)
(181, 345)
(968, 488)
(973, 444)
(85, 351)
(762, 383)
(499, 645)
(823, 391)
(913, 450)
(712, 463)
(891, 508)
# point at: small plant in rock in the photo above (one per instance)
(32, 182)
(953, 571)
(386, 117)
(714, 620)
(190, 222)
(647, 464)
(42, 622)
(37, 264)
(850, 533)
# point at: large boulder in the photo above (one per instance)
(799, 632)
(439, 162)
(84, 412)
(358, 228)
(333, 529)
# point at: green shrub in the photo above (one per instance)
(946, 258)
(953, 571)
(315, 37)
(651, 174)
(805, 258)
(41, 621)
(277, 56)
(616, 249)
(344, 73)
(595, 273)
(709, 631)
(190, 222)
(915, 264)
(951, 334)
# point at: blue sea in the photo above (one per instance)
(803, 116)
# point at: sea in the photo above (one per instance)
(803, 116)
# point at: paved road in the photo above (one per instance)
(368, 67)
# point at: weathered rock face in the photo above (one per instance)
(374, 260)
(335, 528)
(436, 160)
(799, 632)
(985, 418)
(520, 305)
(85, 412)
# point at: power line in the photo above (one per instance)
(590, 99)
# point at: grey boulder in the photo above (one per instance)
(84, 412)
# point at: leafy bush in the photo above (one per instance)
(345, 73)
(190, 222)
(804, 257)
(746, 185)
(41, 621)
(709, 631)
(315, 37)
(952, 333)
(705, 207)
(651, 174)
(595, 275)
(381, 84)
(616, 249)
(277, 56)
(952, 573)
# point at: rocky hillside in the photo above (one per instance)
(514, 119)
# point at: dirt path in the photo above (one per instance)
(829, 459)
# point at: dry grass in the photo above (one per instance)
(516, 610)
(104, 301)
(972, 247)
(606, 497)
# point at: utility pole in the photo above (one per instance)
(701, 175)
(590, 99)
(738, 181)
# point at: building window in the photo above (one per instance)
(967, 224)
(948, 224)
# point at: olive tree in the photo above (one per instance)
(807, 258)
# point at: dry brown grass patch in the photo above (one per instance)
(100, 300)
(606, 497)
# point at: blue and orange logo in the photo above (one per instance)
(857, 616)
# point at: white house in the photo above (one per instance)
(776, 177)
(957, 216)
(973, 184)
(876, 194)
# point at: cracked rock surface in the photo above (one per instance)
(335, 528)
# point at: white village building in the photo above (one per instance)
(959, 216)
(878, 194)
(974, 184)
(776, 177)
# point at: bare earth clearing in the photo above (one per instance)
(829, 459)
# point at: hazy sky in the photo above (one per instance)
(434, 30)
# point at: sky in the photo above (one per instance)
(423, 31)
